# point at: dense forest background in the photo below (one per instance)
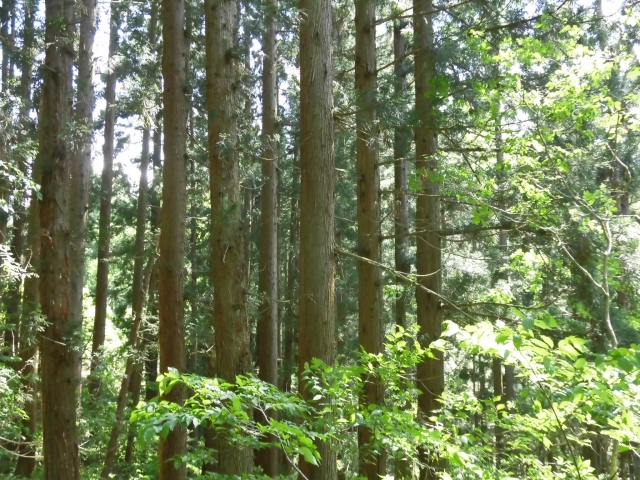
(323, 239)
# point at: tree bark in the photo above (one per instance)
(173, 225)
(106, 188)
(401, 146)
(317, 308)
(430, 372)
(228, 266)
(370, 301)
(59, 338)
(81, 164)
(267, 328)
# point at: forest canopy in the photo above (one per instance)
(320, 239)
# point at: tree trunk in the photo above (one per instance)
(430, 374)
(59, 338)
(370, 302)
(498, 391)
(141, 281)
(292, 278)
(81, 165)
(401, 146)
(267, 329)
(106, 187)
(27, 336)
(317, 217)
(173, 225)
(228, 266)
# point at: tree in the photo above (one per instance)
(106, 188)
(58, 341)
(317, 224)
(228, 273)
(173, 225)
(267, 329)
(370, 302)
(430, 374)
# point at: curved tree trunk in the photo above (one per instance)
(317, 218)
(173, 225)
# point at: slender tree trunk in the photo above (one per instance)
(267, 329)
(106, 187)
(498, 391)
(141, 281)
(430, 374)
(317, 307)
(173, 225)
(81, 165)
(27, 336)
(401, 145)
(231, 323)
(292, 278)
(59, 338)
(370, 302)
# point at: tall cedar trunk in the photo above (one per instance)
(430, 372)
(228, 266)
(498, 392)
(59, 338)
(27, 340)
(317, 308)
(81, 165)
(173, 225)
(13, 314)
(370, 302)
(292, 277)
(139, 288)
(401, 140)
(401, 146)
(106, 187)
(7, 45)
(267, 328)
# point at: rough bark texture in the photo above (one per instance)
(81, 166)
(173, 224)
(370, 302)
(106, 188)
(59, 338)
(430, 372)
(228, 266)
(317, 308)
(267, 328)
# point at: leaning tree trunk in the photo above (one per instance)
(370, 302)
(430, 372)
(317, 218)
(267, 328)
(106, 187)
(231, 323)
(59, 338)
(173, 225)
